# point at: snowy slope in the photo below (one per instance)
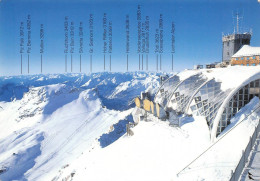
(153, 153)
(158, 152)
(55, 118)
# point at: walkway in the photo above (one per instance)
(252, 169)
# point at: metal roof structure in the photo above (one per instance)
(216, 94)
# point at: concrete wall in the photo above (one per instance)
(232, 43)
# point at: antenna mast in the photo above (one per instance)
(238, 19)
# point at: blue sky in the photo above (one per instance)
(199, 27)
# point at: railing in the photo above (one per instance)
(236, 170)
(245, 154)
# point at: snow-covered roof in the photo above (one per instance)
(247, 50)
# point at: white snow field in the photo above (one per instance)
(158, 152)
(72, 127)
(46, 122)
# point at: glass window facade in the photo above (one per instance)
(199, 96)
(166, 90)
(182, 95)
(207, 101)
(240, 99)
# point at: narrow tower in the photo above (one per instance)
(233, 42)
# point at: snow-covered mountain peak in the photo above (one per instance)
(53, 117)
(45, 99)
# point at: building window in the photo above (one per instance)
(242, 97)
(227, 53)
(228, 44)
